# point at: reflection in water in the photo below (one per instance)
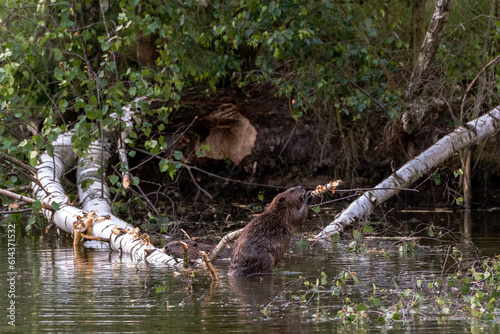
(60, 290)
(467, 223)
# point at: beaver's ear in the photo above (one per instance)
(195, 244)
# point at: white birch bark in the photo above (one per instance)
(475, 131)
(412, 117)
(95, 198)
(50, 172)
(128, 114)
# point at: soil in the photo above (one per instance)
(286, 152)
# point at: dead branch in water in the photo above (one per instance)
(209, 266)
(185, 254)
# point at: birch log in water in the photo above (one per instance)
(93, 198)
(50, 172)
(474, 132)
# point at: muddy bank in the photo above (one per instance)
(240, 145)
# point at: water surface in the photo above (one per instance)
(59, 289)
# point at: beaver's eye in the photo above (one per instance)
(281, 199)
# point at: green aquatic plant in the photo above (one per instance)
(471, 293)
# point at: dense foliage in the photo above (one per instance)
(69, 65)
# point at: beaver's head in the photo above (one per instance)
(292, 198)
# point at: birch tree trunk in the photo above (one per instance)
(474, 132)
(109, 229)
(50, 172)
(418, 26)
(414, 115)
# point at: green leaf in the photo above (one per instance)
(135, 181)
(57, 54)
(367, 229)
(87, 183)
(335, 237)
(113, 179)
(91, 114)
(361, 307)
(32, 156)
(178, 155)
(323, 278)
(356, 234)
(164, 164)
(36, 206)
(55, 206)
(58, 73)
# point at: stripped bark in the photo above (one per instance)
(228, 239)
(474, 132)
(95, 198)
(209, 266)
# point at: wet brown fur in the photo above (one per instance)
(175, 249)
(264, 240)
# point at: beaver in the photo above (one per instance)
(175, 249)
(263, 242)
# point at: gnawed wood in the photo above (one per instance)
(185, 255)
(209, 266)
(101, 224)
(231, 134)
(228, 239)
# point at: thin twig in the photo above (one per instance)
(25, 199)
(15, 211)
(334, 200)
(233, 180)
(197, 185)
(474, 81)
(361, 90)
(370, 189)
(446, 259)
(17, 162)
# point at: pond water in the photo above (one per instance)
(59, 290)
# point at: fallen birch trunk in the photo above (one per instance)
(95, 216)
(413, 170)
